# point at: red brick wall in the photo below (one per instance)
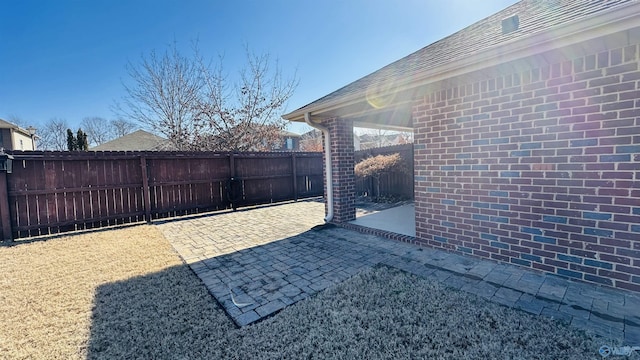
(537, 163)
(342, 151)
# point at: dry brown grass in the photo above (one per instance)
(125, 294)
(47, 288)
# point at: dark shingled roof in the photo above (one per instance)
(136, 141)
(534, 16)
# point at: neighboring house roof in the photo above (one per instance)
(139, 140)
(7, 125)
(285, 133)
(543, 25)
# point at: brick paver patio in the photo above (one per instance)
(256, 262)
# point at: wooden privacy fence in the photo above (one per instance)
(53, 192)
(393, 183)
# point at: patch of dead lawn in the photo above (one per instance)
(47, 288)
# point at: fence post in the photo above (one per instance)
(145, 189)
(4, 208)
(294, 166)
(232, 174)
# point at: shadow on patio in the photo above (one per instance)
(254, 282)
(165, 311)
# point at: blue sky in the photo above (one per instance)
(67, 59)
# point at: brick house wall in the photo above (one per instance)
(537, 162)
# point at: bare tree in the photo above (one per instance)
(17, 120)
(163, 95)
(374, 138)
(405, 137)
(121, 127)
(53, 135)
(246, 115)
(197, 108)
(97, 130)
(311, 141)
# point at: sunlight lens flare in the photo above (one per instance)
(381, 94)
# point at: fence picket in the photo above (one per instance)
(145, 188)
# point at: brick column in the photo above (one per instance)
(342, 151)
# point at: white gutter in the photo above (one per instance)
(327, 164)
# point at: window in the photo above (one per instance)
(289, 144)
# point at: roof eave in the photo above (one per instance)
(618, 19)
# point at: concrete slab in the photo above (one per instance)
(399, 220)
